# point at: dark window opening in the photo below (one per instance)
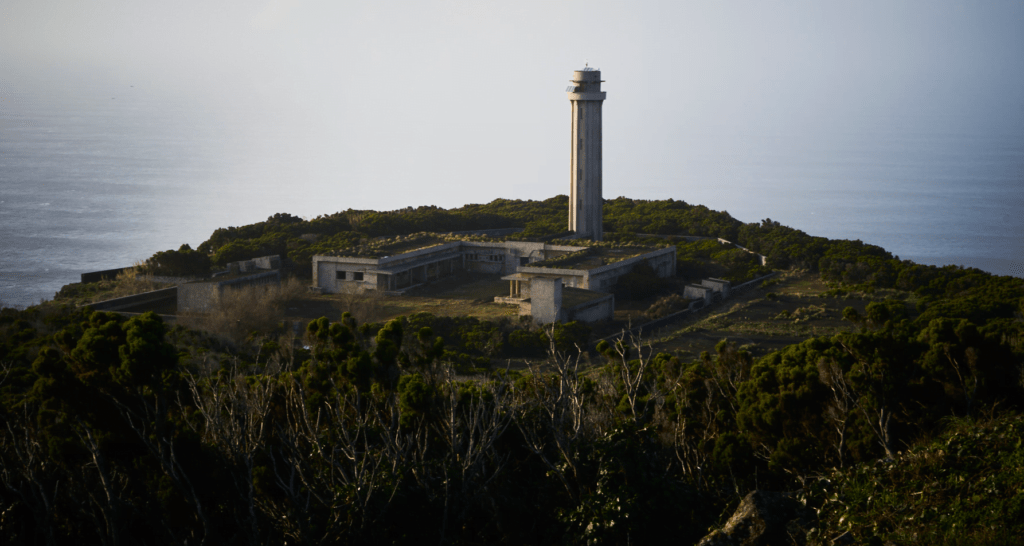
(357, 276)
(340, 275)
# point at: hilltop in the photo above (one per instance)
(874, 388)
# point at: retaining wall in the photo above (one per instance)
(106, 274)
(156, 296)
(695, 307)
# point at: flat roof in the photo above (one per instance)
(392, 246)
(571, 297)
(593, 257)
(233, 276)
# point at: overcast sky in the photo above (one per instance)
(379, 104)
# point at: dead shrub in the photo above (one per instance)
(666, 306)
(365, 307)
(130, 281)
(241, 311)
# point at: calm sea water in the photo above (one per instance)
(94, 182)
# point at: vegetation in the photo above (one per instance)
(966, 486)
(128, 282)
(904, 426)
(852, 263)
(183, 262)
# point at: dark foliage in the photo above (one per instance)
(119, 430)
(183, 262)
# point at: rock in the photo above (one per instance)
(765, 518)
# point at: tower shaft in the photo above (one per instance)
(585, 197)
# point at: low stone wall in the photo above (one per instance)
(694, 308)
(751, 284)
(156, 296)
(168, 319)
(170, 280)
(499, 232)
(106, 274)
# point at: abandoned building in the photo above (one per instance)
(550, 282)
(202, 296)
(587, 274)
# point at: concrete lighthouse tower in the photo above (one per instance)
(585, 200)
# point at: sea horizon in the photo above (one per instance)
(107, 177)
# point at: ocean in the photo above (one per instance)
(90, 182)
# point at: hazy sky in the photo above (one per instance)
(387, 104)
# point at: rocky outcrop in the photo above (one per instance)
(765, 518)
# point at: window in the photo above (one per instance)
(340, 275)
(357, 276)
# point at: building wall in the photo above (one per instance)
(603, 279)
(592, 311)
(198, 297)
(326, 268)
(718, 285)
(546, 299)
(697, 292)
(152, 297)
(267, 262)
(202, 297)
(575, 278)
(491, 258)
(487, 259)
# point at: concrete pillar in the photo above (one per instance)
(585, 197)
(546, 300)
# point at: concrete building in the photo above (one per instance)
(202, 296)
(548, 299)
(584, 276)
(401, 271)
(551, 301)
(719, 286)
(589, 269)
(585, 197)
(698, 292)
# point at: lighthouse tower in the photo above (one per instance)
(585, 200)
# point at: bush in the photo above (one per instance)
(183, 262)
(666, 306)
(242, 311)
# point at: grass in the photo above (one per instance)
(592, 257)
(789, 309)
(467, 294)
(463, 295)
(400, 244)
